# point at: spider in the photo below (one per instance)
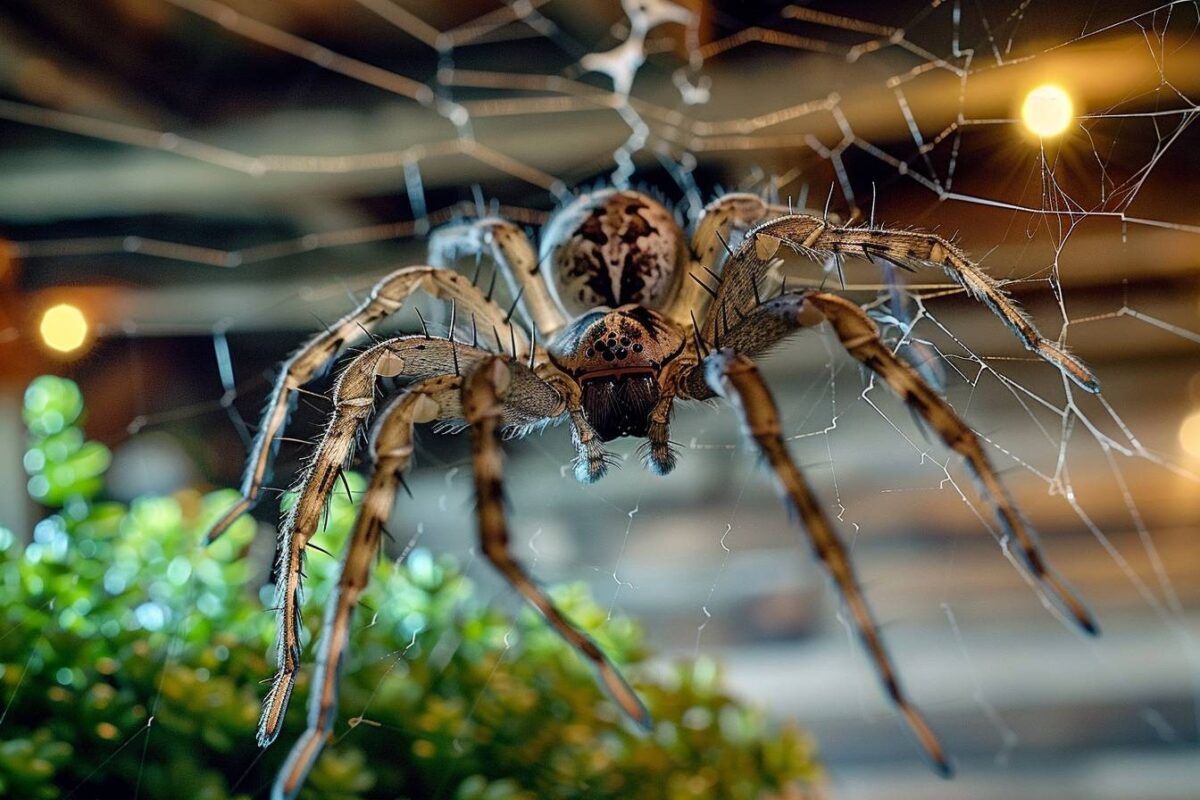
(630, 324)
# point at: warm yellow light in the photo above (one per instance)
(1047, 110)
(1189, 434)
(64, 328)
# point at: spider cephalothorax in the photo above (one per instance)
(618, 359)
(628, 335)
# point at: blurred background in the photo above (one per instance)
(188, 188)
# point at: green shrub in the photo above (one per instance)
(131, 662)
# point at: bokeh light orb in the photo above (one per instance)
(1189, 434)
(1047, 110)
(63, 328)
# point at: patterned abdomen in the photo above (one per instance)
(612, 248)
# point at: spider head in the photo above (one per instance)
(617, 357)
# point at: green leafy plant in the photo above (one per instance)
(131, 661)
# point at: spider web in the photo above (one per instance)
(796, 103)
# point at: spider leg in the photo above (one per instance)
(483, 407)
(735, 378)
(513, 253)
(777, 318)
(860, 337)
(386, 298)
(719, 225)
(411, 356)
(391, 451)
(910, 249)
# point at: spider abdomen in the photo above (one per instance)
(613, 248)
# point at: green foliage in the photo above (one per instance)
(131, 661)
(59, 462)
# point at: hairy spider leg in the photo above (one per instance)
(513, 253)
(658, 453)
(386, 298)
(734, 377)
(816, 237)
(736, 212)
(483, 404)
(354, 395)
(860, 336)
(591, 459)
(391, 448)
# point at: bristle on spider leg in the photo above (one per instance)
(512, 309)
(701, 346)
(424, 327)
(311, 545)
(728, 249)
(368, 333)
(478, 269)
(712, 292)
(345, 484)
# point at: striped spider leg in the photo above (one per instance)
(733, 376)
(729, 372)
(390, 450)
(859, 335)
(486, 393)
(353, 398)
(386, 298)
(514, 256)
(740, 285)
(738, 311)
(509, 396)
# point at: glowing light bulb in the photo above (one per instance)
(1189, 434)
(64, 328)
(1047, 110)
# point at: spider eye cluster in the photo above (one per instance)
(614, 347)
(628, 338)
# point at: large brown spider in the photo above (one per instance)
(631, 326)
